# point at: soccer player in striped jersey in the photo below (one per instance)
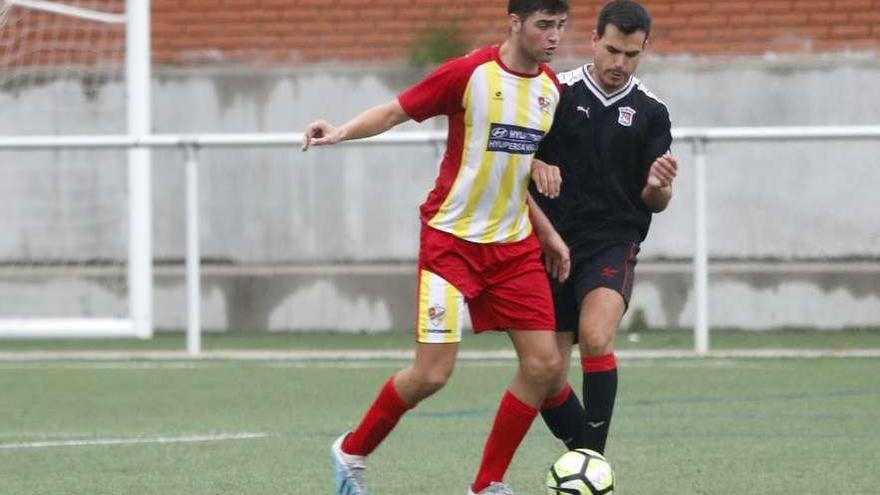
(611, 139)
(481, 236)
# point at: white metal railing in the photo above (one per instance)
(191, 144)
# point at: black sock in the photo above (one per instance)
(566, 421)
(600, 391)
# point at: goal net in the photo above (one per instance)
(65, 254)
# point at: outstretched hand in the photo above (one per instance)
(547, 178)
(663, 171)
(319, 133)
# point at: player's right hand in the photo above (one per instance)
(663, 171)
(557, 258)
(547, 178)
(319, 133)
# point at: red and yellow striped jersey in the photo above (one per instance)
(497, 117)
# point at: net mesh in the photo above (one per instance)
(65, 66)
(63, 250)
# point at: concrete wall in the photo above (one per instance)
(281, 208)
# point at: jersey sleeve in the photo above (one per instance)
(440, 93)
(547, 148)
(659, 136)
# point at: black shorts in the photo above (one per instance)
(596, 264)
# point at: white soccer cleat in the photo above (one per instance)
(494, 488)
(350, 470)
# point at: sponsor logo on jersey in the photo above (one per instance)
(499, 96)
(585, 110)
(513, 139)
(625, 118)
(436, 314)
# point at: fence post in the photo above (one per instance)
(701, 256)
(193, 257)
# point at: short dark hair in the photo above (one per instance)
(628, 16)
(525, 8)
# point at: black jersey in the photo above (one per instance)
(604, 145)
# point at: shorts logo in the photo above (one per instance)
(625, 117)
(609, 272)
(436, 314)
(442, 331)
(513, 139)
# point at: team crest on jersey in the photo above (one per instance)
(436, 314)
(625, 117)
(544, 103)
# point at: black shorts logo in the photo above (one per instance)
(609, 271)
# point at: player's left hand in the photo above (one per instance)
(547, 178)
(557, 259)
(663, 171)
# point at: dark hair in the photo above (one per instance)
(628, 16)
(525, 8)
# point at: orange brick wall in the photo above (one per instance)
(293, 32)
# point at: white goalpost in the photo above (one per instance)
(69, 10)
(51, 52)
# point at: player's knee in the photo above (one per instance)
(544, 370)
(597, 343)
(598, 349)
(435, 379)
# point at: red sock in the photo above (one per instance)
(378, 422)
(557, 400)
(597, 364)
(512, 422)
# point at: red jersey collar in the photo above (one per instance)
(496, 55)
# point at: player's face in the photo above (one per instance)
(540, 34)
(616, 56)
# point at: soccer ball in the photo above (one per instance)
(580, 472)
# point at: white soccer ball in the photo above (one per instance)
(580, 472)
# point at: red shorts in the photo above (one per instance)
(505, 286)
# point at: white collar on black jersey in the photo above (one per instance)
(606, 98)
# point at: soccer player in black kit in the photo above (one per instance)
(610, 139)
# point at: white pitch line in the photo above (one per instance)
(103, 365)
(403, 354)
(133, 441)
